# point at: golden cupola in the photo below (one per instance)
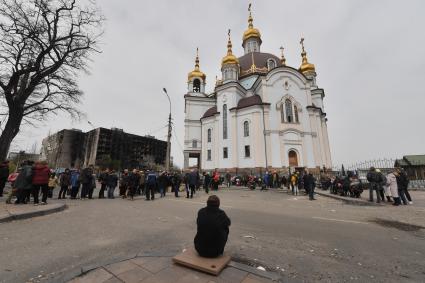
(196, 73)
(305, 65)
(229, 59)
(251, 32)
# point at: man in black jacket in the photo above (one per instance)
(213, 229)
(374, 180)
(86, 177)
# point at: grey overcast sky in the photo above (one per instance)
(369, 57)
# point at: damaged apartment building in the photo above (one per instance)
(103, 148)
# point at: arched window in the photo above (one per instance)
(224, 121)
(293, 158)
(194, 143)
(196, 85)
(246, 129)
(288, 110)
(296, 114)
(209, 135)
(271, 64)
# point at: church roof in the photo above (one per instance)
(250, 101)
(210, 112)
(257, 59)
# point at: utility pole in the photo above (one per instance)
(168, 155)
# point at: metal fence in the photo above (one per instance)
(385, 165)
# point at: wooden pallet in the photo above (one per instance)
(190, 258)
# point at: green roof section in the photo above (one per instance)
(415, 159)
(411, 160)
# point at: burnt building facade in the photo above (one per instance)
(107, 148)
(64, 149)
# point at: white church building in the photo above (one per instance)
(262, 113)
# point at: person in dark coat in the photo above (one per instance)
(133, 182)
(4, 174)
(86, 177)
(65, 182)
(402, 185)
(212, 229)
(176, 181)
(310, 185)
(40, 181)
(207, 182)
(162, 183)
(124, 181)
(193, 180)
(151, 185)
(111, 183)
(23, 182)
(374, 180)
(103, 179)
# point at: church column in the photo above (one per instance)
(186, 160)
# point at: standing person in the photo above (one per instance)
(212, 229)
(392, 184)
(93, 185)
(53, 182)
(381, 185)
(310, 185)
(176, 181)
(75, 183)
(40, 181)
(193, 181)
(142, 183)
(102, 179)
(294, 183)
(216, 180)
(228, 178)
(23, 182)
(284, 181)
(111, 183)
(207, 182)
(151, 184)
(374, 179)
(162, 183)
(4, 174)
(124, 183)
(65, 182)
(402, 184)
(86, 177)
(133, 181)
(266, 180)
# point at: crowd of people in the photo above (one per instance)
(36, 180)
(393, 186)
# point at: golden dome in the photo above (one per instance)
(196, 73)
(229, 58)
(251, 32)
(305, 65)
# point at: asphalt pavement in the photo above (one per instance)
(304, 241)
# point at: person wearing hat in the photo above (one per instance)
(212, 229)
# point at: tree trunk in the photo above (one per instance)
(10, 131)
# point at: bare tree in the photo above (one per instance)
(44, 45)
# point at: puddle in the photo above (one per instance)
(397, 225)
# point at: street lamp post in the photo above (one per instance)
(168, 155)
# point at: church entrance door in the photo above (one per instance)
(293, 158)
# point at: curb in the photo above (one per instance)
(31, 214)
(348, 200)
